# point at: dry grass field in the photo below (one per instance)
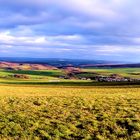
(72, 113)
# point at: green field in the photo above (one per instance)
(126, 72)
(69, 113)
(49, 76)
(33, 74)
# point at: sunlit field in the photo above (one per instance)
(72, 113)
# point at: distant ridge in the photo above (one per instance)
(24, 66)
(113, 65)
(62, 63)
(51, 65)
(57, 62)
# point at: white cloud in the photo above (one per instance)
(43, 41)
(118, 49)
(95, 27)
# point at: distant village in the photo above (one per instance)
(100, 78)
(75, 72)
(112, 78)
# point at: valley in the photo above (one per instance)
(11, 72)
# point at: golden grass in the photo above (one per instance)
(56, 112)
(24, 90)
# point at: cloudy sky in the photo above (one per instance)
(87, 29)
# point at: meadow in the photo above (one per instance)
(29, 112)
(126, 72)
(52, 77)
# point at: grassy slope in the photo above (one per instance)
(128, 72)
(34, 76)
(52, 73)
(54, 112)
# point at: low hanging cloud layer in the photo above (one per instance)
(90, 29)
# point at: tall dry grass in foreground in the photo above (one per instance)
(37, 113)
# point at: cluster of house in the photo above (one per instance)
(111, 78)
(101, 78)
